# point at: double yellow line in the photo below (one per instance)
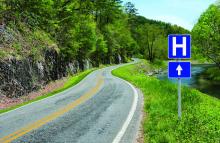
(49, 118)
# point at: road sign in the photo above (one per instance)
(179, 46)
(179, 70)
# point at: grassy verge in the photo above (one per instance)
(201, 113)
(73, 80)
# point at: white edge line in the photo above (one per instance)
(123, 129)
(121, 133)
(2, 114)
(49, 96)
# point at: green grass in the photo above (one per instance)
(73, 80)
(201, 113)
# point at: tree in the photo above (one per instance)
(99, 53)
(206, 34)
(101, 30)
(34, 13)
(86, 37)
(106, 12)
(149, 35)
(130, 9)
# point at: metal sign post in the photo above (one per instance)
(179, 98)
(179, 47)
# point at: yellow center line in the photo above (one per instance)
(54, 115)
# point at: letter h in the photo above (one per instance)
(183, 46)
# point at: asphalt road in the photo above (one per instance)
(100, 109)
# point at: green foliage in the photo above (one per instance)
(130, 9)
(101, 30)
(206, 34)
(149, 39)
(86, 37)
(151, 36)
(213, 74)
(2, 53)
(119, 40)
(17, 47)
(201, 113)
(25, 41)
(100, 50)
(198, 56)
(34, 13)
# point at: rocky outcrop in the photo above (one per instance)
(20, 77)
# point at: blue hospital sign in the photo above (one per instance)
(179, 46)
(179, 70)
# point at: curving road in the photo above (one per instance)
(100, 109)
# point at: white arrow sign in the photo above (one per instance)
(179, 69)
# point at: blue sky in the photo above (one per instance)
(184, 13)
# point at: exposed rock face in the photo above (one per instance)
(20, 77)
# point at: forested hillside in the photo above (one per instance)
(101, 30)
(45, 40)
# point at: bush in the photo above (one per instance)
(213, 74)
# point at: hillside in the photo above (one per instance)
(42, 41)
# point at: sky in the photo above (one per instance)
(184, 13)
